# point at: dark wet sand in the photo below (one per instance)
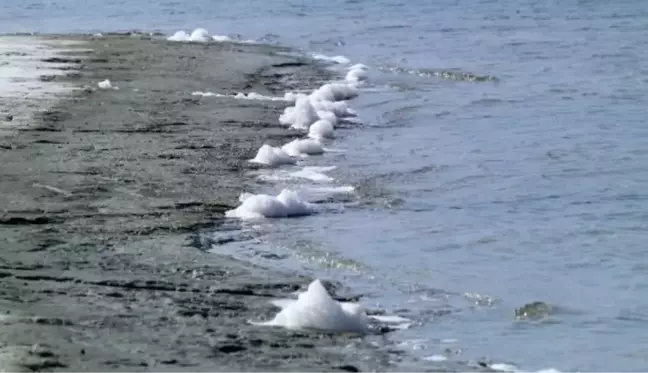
(108, 202)
(102, 203)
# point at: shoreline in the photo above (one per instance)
(104, 192)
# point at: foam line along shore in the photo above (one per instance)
(104, 189)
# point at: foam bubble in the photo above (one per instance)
(303, 147)
(286, 204)
(272, 156)
(322, 129)
(334, 59)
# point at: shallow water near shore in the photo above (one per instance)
(500, 163)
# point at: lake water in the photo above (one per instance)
(476, 196)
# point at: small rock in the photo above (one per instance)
(348, 368)
(6, 117)
(229, 349)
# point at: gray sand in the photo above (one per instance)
(102, 201)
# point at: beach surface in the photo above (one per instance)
(105, 192)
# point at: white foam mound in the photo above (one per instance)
(288, 96)
(199, 35)
(334, 59)
(338, 108)
(322, 129)
(257, 206)
(356, 75)
(106, 84)
(179, 36)
(300, 116)
(303, 147)
(272, 156)
(315, 309)
(335, 92)
(327, 115)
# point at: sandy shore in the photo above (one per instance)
(103, 195)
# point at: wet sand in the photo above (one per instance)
(104, 195)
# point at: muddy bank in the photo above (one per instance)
(103, 196)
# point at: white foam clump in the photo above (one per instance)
(336, 59)
(335, 92)
(288, 96)
(106, 84)
(303, 147)
(258, 206)
(326, 102)
(300, 116)
(315, 309)
(199, 35)
(338, 108)
(272, 156)
(322, 129)
(357, 73)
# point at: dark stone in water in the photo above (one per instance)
(533, 310)
(348, 368)
(231, 348)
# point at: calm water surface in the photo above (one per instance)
(476, 196)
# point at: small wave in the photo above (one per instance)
(334, 59)
(315, 174)
(504, 367)
(327, 194)
(288, 97)
(444, 74)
